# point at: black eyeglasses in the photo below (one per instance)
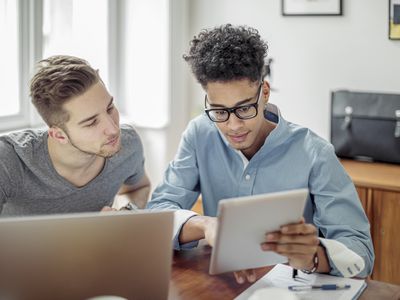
(243, 112)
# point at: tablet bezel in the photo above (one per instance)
(243, 223)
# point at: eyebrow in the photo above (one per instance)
(236, 104)
(95, 116)
(239, 103)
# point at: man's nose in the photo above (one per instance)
(234, 122)
(111, 127)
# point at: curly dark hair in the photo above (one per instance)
(227, 53)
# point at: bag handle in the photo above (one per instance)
(397, 127)
(348, 111)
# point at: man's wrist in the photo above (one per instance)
(130, 206)
(200, 223)
(313, 266)
(194, 229)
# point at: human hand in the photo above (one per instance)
(298, 242)
(107, 209)
(197, 228)
(210, 230)
(242, 276)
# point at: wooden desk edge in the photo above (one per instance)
(190, 280)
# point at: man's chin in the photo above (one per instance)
(239, 146)
(109, 153)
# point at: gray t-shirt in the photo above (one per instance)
(29, 184)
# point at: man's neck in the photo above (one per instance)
(73, 165)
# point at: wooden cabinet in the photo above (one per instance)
(198, 206)
(378, 186)
(365, 200)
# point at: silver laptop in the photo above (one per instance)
(80, 256)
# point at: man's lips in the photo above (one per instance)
(238, 137)
(113, 141)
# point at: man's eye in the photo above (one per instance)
(110, 109)
(244, 109)
(219, 112)
(94, 123)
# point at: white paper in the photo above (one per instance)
(281, 276)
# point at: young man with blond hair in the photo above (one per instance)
(84, 158)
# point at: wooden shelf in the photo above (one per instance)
(373, 175)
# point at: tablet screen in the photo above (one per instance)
(243, 223)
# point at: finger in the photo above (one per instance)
(106, 208)
(250, 275)
(301, 221)
(299, 229)
(243, 275)
(308, 239)
(273, 236)
(289, 249)
(239, 276)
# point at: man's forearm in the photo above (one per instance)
(194, 229)
(137, 193)
(139, 196)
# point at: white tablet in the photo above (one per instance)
(243, 223)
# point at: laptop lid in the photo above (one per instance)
(79, 256)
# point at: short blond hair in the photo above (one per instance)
(57, 80)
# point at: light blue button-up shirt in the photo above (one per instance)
(292, 157)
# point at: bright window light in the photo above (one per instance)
(78, 28)
(9, 63)
(147, 62)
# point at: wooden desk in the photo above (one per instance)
(190, 280)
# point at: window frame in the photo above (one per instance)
(30, 50)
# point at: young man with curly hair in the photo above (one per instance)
(84, 158)
(242, 146)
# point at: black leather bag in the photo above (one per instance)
(366, 126)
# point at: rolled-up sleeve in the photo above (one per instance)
(338, 211)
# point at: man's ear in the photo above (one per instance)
(265, 91)
(266, 88)
(58, 134)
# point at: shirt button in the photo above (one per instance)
(247, 177)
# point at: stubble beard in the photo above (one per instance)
(102, 152)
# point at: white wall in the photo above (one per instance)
(161, 144)
(312, 55)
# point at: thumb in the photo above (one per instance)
(107, 208)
